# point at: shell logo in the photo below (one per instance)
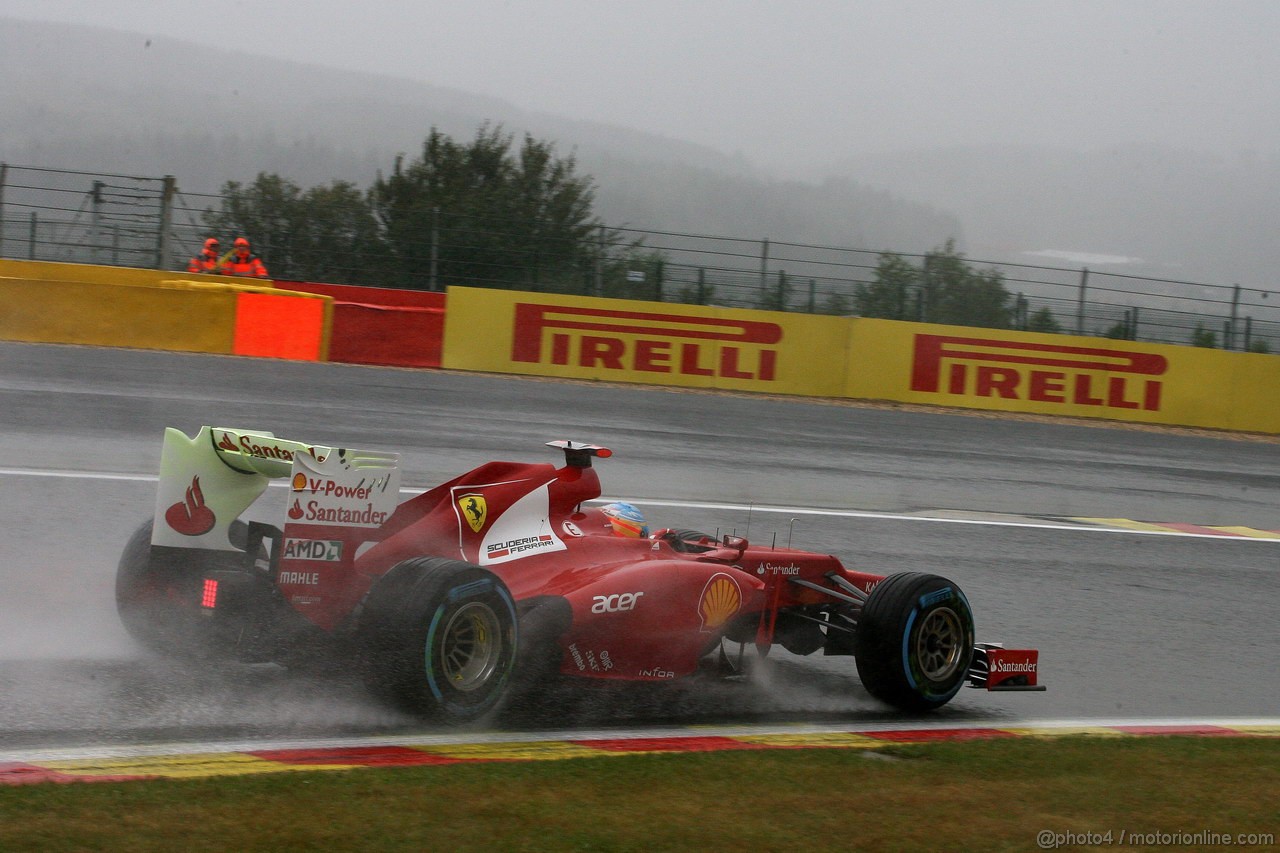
(299, 481)
(721, 599)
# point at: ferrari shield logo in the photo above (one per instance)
(474, 510)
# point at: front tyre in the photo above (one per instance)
(439, 639)
(914, 641)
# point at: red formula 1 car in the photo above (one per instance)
(444, 599)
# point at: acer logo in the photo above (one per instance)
(617, 603)
(645, 342)
(1044, 373)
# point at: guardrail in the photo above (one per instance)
(84, 217)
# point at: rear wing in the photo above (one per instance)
(209, 480)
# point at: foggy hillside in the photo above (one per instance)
(1187, 215)
(95, 99)
(102, 100)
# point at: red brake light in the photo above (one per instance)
(210, 597)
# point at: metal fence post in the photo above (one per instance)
(598, 283)
(764, 265)
(4, 176)
(1084, 286)
(1229, 341)
(95, 222)
(435, 248)
(163, 250)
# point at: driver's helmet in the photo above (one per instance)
(626, 520)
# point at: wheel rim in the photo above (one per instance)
(940, 644)
(471, 646)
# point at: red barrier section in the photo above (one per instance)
(271, 325)
(376, 325)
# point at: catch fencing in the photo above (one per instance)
(84, 217)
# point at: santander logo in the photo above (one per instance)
(191, 517)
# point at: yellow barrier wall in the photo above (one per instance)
(70, 312)
(91, 273)
(692, 346)
(160, 309)
(656, 343)
(1060, 375)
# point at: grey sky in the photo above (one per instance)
(791, 85)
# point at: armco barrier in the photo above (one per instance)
(382, 326)
(762, 351)
(154, 309)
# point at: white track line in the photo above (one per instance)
(1035, 524)
(1038, 524)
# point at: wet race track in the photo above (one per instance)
(1129, 625)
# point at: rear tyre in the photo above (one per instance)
(158, 594)
(914, 641)
(439, 639)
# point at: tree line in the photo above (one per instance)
(941, 288)
(494, 213)
(486, 213)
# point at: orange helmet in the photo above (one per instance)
(211, 243)
(240, 241)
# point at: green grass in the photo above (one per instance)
(991, 795)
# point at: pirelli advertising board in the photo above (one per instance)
(1061, 375)
(500, 331)
(654, 343)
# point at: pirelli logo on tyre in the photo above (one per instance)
(646, 342)
(962, 366)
